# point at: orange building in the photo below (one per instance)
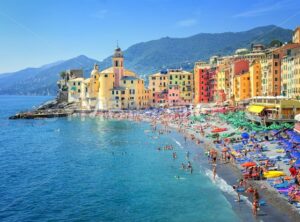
(255, 78)
(241, 86)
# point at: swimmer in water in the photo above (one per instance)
(183, 166)
(174, 155)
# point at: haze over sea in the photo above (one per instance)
(99, 170)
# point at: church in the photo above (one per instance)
(114, 88)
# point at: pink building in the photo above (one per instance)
(161, 98)
(173, 95)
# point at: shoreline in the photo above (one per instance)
(277, 208)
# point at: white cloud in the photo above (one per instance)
(187, 22)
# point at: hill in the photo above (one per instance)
(42, 80)
(145, 58)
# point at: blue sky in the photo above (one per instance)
(37, 32)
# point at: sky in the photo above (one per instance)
(38, 32)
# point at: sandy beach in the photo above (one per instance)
(276, 207)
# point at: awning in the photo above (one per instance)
(255, 109)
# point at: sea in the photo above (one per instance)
(91, 169)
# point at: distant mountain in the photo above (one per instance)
(41, 81)
(145, 58)
(149, 57)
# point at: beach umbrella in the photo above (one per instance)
(296, 155)
(248, 164)
(297, 163)
(245, 135)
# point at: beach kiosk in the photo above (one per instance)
(269, 109)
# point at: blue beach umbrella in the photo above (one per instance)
(296, 139)
(245, 135)
(297, 163)
(296, 155)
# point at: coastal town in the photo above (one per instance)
(242, 109)
(266, 79)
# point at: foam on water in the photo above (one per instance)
(178, 143)
(224, 186)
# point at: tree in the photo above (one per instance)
(62, 74)
(275, 43)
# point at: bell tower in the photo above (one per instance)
(118, 65)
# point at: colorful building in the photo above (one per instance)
(184, 80)
(201, 79)
(113, 88)
(290, 73)
(255, 78)
(238, 67)
(241, 86)
(173, 87)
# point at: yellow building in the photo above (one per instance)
(158, 82)
(112, 88)
(184, 80)
(255, 78)
(241, 87)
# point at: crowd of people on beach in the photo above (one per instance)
(245, 153)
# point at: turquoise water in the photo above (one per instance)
(95, 170)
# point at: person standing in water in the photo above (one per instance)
(214, 171)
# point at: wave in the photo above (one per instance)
(224, 186)
(178, 143)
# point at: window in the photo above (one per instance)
(112, 92)
(124, 81)
(276, 63)
(79, 90)
(105, 75)
(131, 81)
(117, 92)
(78, 83)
